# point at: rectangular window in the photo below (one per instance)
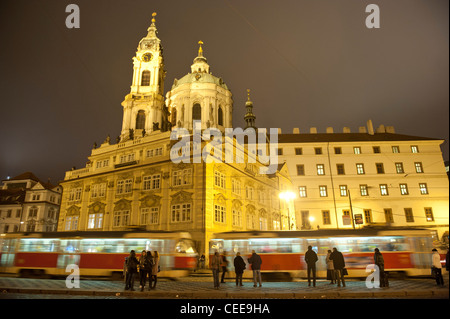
(357, 150)
(71, 223)
(237, 218)
(320, 169)
(302, 191)
(75, 194)
(380, 168)
(368, 216)
(414, 149)
(326, 217)
(343, 190)
(126, 158)
(181, 213)
(384, 190)
(236, 186)
(399, 168)
(249, 192)
(360, 169)
(219, 179)
(318, 150)
(337, 150)
(150, 216)
(182, 177)
(219, 214)
(298, 151)
(395, 149)
(323, 191)
(32, 213)
(388, 215)
(363, 190)
(121, 218)
(280, 151)
(124, 186)
(403, 189)
(423, 188)
(300, 169)
(340, 169)
(151, 182)
(419, 168)
(429, 214)
(376, 149)
(98, 190)
(409, 215)
(95, 221)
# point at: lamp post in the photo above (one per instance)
(287, 196)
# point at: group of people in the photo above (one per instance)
(147, 266)
(220, 262)
(335, 266)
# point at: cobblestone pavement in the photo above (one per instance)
(202, 288)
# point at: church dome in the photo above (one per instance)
(199, 77)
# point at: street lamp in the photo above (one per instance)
(287, 196)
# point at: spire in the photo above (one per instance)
(152, 28)
(249, 116)
(200, 64)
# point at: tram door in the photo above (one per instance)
(421, 247)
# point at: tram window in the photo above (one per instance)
(70, 246)
(38, 245)
(184, 246)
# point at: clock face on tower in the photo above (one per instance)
(146, 57)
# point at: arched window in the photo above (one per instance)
(220, 115)
(140, 120)
(174, 117)
(197, 112)
(145, 79)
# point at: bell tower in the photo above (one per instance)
(143, 106)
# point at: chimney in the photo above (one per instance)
(329, 130)
(390, 129)
(313, 130)
(362, 129)
(381, 129)
(346, 130)
(296, 130)
(370, 127)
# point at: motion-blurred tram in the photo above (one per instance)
(95, 253)
(406, 252)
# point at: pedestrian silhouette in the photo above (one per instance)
(311, 259)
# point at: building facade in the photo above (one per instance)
(373, 177)
(28, 204)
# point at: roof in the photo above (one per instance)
(199, 78)
(26, 175)
(348, 137)
(11, 196)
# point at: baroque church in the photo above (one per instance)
(135, 184)
(341, 180)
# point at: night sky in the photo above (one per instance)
(307, 63)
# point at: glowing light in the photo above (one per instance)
(287, 195)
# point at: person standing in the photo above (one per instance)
(311, 259)
(202, 261)
(256, 261)
(239, 266)
(155, 270)
(437, 267)
(339, 265)
(142, 270)
(148, 264)
(216, 261)
(379, 261)
(224, 266)
(132, 264)
(330, 268)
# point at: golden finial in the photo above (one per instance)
(153, 15)
(200, 50)
(248, 94)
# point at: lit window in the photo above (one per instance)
(423, 188)
(302, 191)
(419, 167)
(414, 149)
(357, 150)
(383, 190)
(360, 169)
(395, 149)
(343, 190)
(95, 221)
(323, 191)
(429, 214)
(403, 189)
(320, 169)
(399, 168)
(363, 190)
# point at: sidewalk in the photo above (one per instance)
(195, 288)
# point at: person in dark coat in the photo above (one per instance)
(148, 264)
(311, 259)
(132, 264)
(339, 265)
(239, 266)
(256, 261)
(142, 271)
(379, 261)
(224, 266)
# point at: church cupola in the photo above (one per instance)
(200, 96)
(249, 116)
(143, 108)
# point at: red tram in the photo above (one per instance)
(95, 253)
(405, 251)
